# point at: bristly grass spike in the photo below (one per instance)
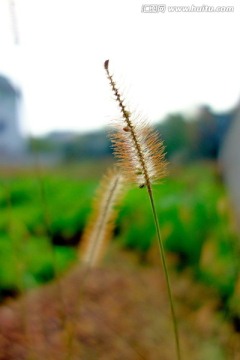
(141, 157)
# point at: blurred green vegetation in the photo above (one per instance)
(42, 219)
(196, 225)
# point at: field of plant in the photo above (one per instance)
(43, 216)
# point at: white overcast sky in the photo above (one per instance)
(165, 62)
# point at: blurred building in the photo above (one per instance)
(230, 161)
(12, 143)
(212, 130)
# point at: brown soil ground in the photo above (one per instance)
(118, 311)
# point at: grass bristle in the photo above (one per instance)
(100, 226)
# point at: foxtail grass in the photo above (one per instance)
(99, 231)
(140, 154)
(100, 225)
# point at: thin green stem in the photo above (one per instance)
(163, 258)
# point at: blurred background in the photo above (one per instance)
(179, 68)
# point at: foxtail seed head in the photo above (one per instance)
(136, 144)
(100, 226)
